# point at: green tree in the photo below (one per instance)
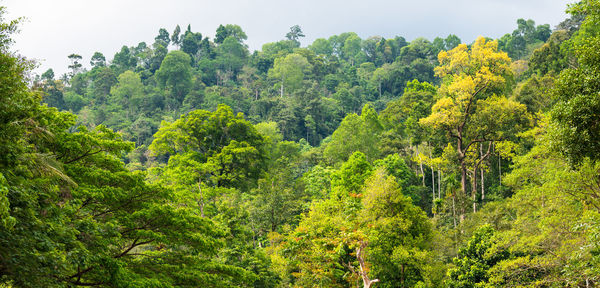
(175, 75)
(98, 60)
(102, 82)
(577, 111)
(211, 147)
(549, 199)
(295, 34)
(124, 60)
(175, 37)
(351, 48)
(230, 30)
(72, 215)
(398, 233)
(231, 56)
(75, 65)
(289, 71)
(191, 42)
(163, 37)
(475, 260)
(128, 92)
(355, 133)
(321, 47)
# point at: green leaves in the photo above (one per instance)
(355, 134)
(175, 74)
(475, 259)
(221, 147)
(577, 112)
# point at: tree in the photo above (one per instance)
(72, 215)
(163, 37)
(98, 60)
(230, 30)
(128, 92)
(75, 65)
(398, 233)
(355, 133)
(124, 60)
(321, 47)
(278, 202)
(547, 207)
(322, 248)
(365, 231)
(17, 105)
(295, 34)
(231, 56)
(175, 75)
(212, 147)
(475, 259)
(577, 112)
(104, 79)
(289, 71)
(351, 48)
(190, 43)
(175, 39)
(469, 112)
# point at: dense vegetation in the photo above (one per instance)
(352, 162)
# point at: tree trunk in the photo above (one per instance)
(474, 189)
(402, 276)
(481, 172)
(463, 187)
(281, 89)
(367, 282)
(421, 166)
(500, 169)
(432, 185)
(454, 208)
(201, 201)
(463, 173)
(439, 184)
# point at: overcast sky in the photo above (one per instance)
(57, 28)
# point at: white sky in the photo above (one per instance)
(57, 28)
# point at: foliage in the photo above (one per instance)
(475, 259)
(254, 169)
(576, 113)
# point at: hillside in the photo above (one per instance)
(193, 162)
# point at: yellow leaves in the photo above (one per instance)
(481, 66)
(445, 114)
(506, 149)
(471, 73)
(452, 61)
(443, 162)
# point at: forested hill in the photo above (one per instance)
(193, 162)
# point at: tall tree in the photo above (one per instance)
(163, 37)
(175, 37)
(355, 133)
(212, 147)
(295, 34)
(577, 113)
(289, 71)
(175, 75)
(469, 111)
(230, 30)
(75, 64)
(98, 60)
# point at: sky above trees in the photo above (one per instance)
(55, 29)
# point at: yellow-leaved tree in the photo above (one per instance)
(472, 110)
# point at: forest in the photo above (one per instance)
(195, 162)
